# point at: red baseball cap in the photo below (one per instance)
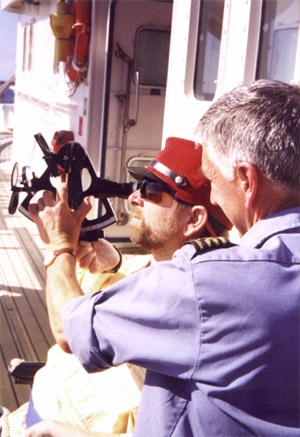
(178, 165)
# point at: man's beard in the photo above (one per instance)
(156, 238)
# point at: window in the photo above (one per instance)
(151, 57)
(208, 48)
(278, 40)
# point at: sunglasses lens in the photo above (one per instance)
(151, 191)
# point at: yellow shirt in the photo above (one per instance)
(104, 401)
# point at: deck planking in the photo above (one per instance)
(24, 327)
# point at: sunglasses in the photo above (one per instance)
(153, 190)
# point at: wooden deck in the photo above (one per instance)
(24, 327)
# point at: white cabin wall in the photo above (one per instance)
(237, 60)
(42, 102)
(238, 56)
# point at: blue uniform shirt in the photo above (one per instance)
(217, 332)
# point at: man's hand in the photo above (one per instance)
(59, 228)
(58, 225)
(97, 256)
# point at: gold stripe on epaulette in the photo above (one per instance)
(205, 244)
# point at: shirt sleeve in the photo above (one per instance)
(151, 319)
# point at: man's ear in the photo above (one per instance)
(247, 175)
(196, 221)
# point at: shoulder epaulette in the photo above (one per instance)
(205, 244)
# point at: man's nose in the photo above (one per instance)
(135, 198)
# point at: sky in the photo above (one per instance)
(8, 41)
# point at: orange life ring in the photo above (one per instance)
(77, 62)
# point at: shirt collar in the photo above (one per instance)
(270, 225)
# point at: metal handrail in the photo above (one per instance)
(7, 84)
